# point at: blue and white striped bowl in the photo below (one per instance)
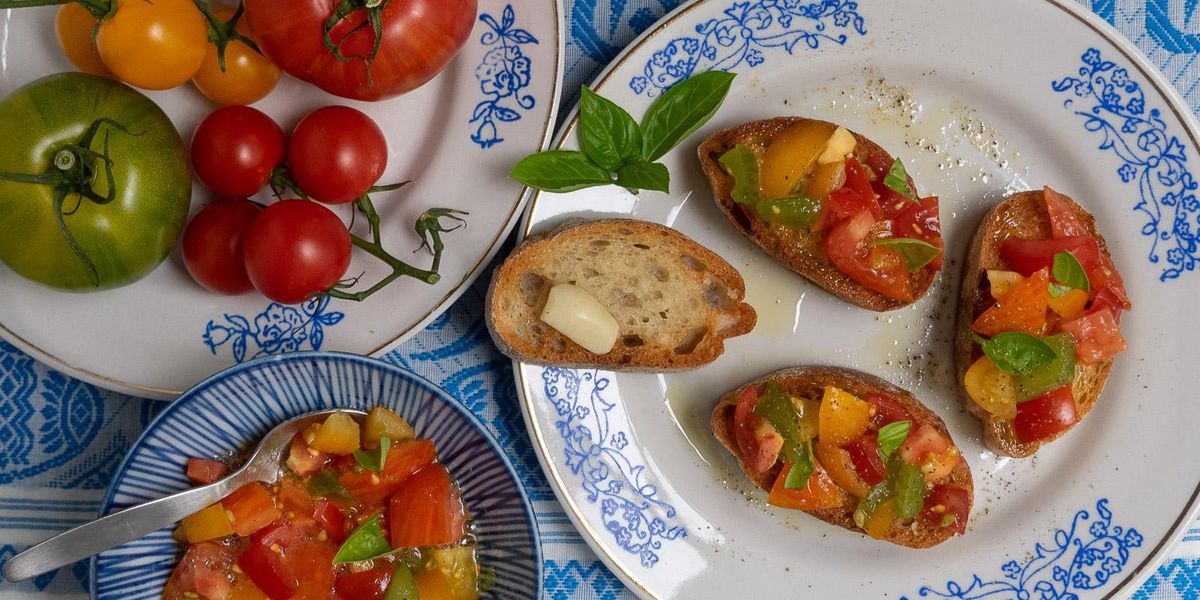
(230, 411)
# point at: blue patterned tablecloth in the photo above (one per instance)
(61, 440)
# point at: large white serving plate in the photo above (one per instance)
(456, 138)
(980, 99)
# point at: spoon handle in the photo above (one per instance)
(112, 531)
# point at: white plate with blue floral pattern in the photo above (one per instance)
(980, 99)
(456, 138)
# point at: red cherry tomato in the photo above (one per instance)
(947, 505)
(1045, 416)
(887, 410)
(867, 458)
(336, 154)
(295, 249)
(212, 245)
(234, 150)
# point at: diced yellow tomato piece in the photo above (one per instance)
(843, 417)
(840, 468)
(339, 434)
(383, 422)
(433, 585)
(1023, 308)
(939, 465)
(461, 569)
(246, 590)
(991, 389)
(210, 523)
(820, 493)
(840, 145)
(880, 522)
(250, 508)
(809, 411)
(1002, 281)
(791, 156)
(826, 179)
(1069, 305)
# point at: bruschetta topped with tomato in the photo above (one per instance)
(851, 450)
(1039, 320)
(830, 205)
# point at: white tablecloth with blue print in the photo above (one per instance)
(61, 440)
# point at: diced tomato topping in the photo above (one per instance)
(867, 458)
(947, 505)
(1029, 256)
(426, 510)
(294, 498)
(313, 565)
(1023, 308)
(818, 494)
(1110, 281)
(880, 269)
(331, 519)
(203, 570)
(840, 468)
(920, 221)
(758, 440)
(304, 460)
(855, 196)
(1045, 416)
(403, 460)
(203, 471)
(267, 570)
(1063, 221)
(365, 585)
(886, 410)
(251, 508)
(1108, 298)
(921, 443)
(1097, 336)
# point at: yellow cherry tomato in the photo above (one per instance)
(74, 26)
(154, 45)
(248, 75)
(792, 155)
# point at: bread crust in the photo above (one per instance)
(809, 380)
(646, 358)
(796, 249)
(1022, 215)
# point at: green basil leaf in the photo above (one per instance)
(365, 543)
(403, 585)
(742, 164)
(607, 134)
(560, 171)
(868, 504)
(799, 212)
(798, 477)
(891, 436)
(374, 461)
(777, 409)
(897, 181)
(326, 484)
(909, 486)
(916, 253)
(639, 174)
(1069, 272)
(681, 110)
(1058, 290)
(1017, 352)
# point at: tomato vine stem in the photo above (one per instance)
(345, 9)
(222, 33)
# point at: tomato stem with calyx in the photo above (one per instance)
(342, 11)
(222, 33)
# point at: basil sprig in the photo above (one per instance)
(616, 149)
(366, 543)
(897, 181)
(1017, 352)
(890, 437)
(916, 253)
(1069, 274)
(802, 469)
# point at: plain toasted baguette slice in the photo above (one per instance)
(1020, 215)
(796, 249)
(674, 300)
(810, 382)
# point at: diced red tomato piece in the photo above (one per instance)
(403, 460)
(820, 492)
(886, 410)
(855, 196)
(267, 570)
(758, 440)
(294, 498)
(427, 510)
(203, 471)
(251, 508)
(331, 519)
(1029, 256)
(921, 443)
(313, 565)
(880, 269)
(1109, 298)
(1023, 308)
(867, 458)
(365, 585)
(947, 499)
(1097, 336)
(1045, 416)
(303, 460)
(203, 570)
(920, 221)
(1063, 221)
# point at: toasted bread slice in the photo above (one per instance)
(1020, 215)
(674, 300)
(811, 382)
(796, 249)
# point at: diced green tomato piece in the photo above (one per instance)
(460, 567)
(777, 409)
(871, 502)
(742, 164)
(799, 212)
(1044, 379)
(383, 422)
(403, 585)
(909, 486)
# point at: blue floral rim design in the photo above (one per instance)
(1114, 105)
(743, 33)
(1081, 558)
(594, 450)
(503, 76)
(277, 329)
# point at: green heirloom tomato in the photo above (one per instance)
(94, 183)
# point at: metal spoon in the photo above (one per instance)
(137, 521)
